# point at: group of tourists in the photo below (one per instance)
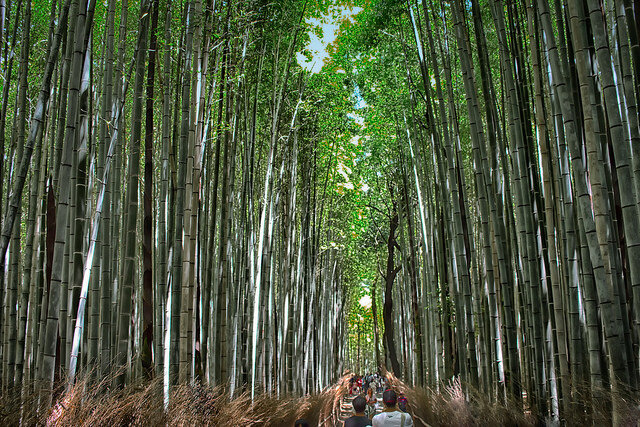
(393, 415)
(361, 384)
(368, 411)
(392, 411)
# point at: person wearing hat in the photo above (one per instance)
(391, 416)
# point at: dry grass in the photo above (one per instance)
(452, 408)
(142, 405)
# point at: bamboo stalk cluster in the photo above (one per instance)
(519, 146)
(160, 210)
(169, 209)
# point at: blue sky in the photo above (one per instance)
(329, 23)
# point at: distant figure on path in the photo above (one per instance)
(359, 419)
(301, 423)
(371, 402)
(391, 416)
(402, 403)
(352, 382)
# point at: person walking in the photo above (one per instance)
(359, 419)
(391, 416)
(402, 403)
(371, 403)
(352, 382)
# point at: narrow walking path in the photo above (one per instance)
(346, 405)
(346, 408)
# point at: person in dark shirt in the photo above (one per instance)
(359, 419)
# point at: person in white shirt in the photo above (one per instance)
(391, 416)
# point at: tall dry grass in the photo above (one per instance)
(451, 407)
(142, 404)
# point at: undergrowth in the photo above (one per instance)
(142, 404)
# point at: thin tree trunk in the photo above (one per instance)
(51, 329)
(133, 172)
(147, 286)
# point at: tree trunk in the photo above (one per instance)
(51, 329)
(389, 277)
(147, 281)
(131, 213)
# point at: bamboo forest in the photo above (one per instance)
(239, 212)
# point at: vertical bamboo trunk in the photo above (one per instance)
(177, 369)
(188, 255)
(18, 318)
(131, 212)
(37, 275)
(220, 333)
(106, 278)
(278, 93)
(620, 140)
(147, 285)
(51, 329)
(609, 306)
(224, 242)
(78, 203)
(211, 280)
(598, 181)
(10, 288)
(91, 250)
(162, 230)
(560, 335)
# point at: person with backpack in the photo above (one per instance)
(391, 416)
